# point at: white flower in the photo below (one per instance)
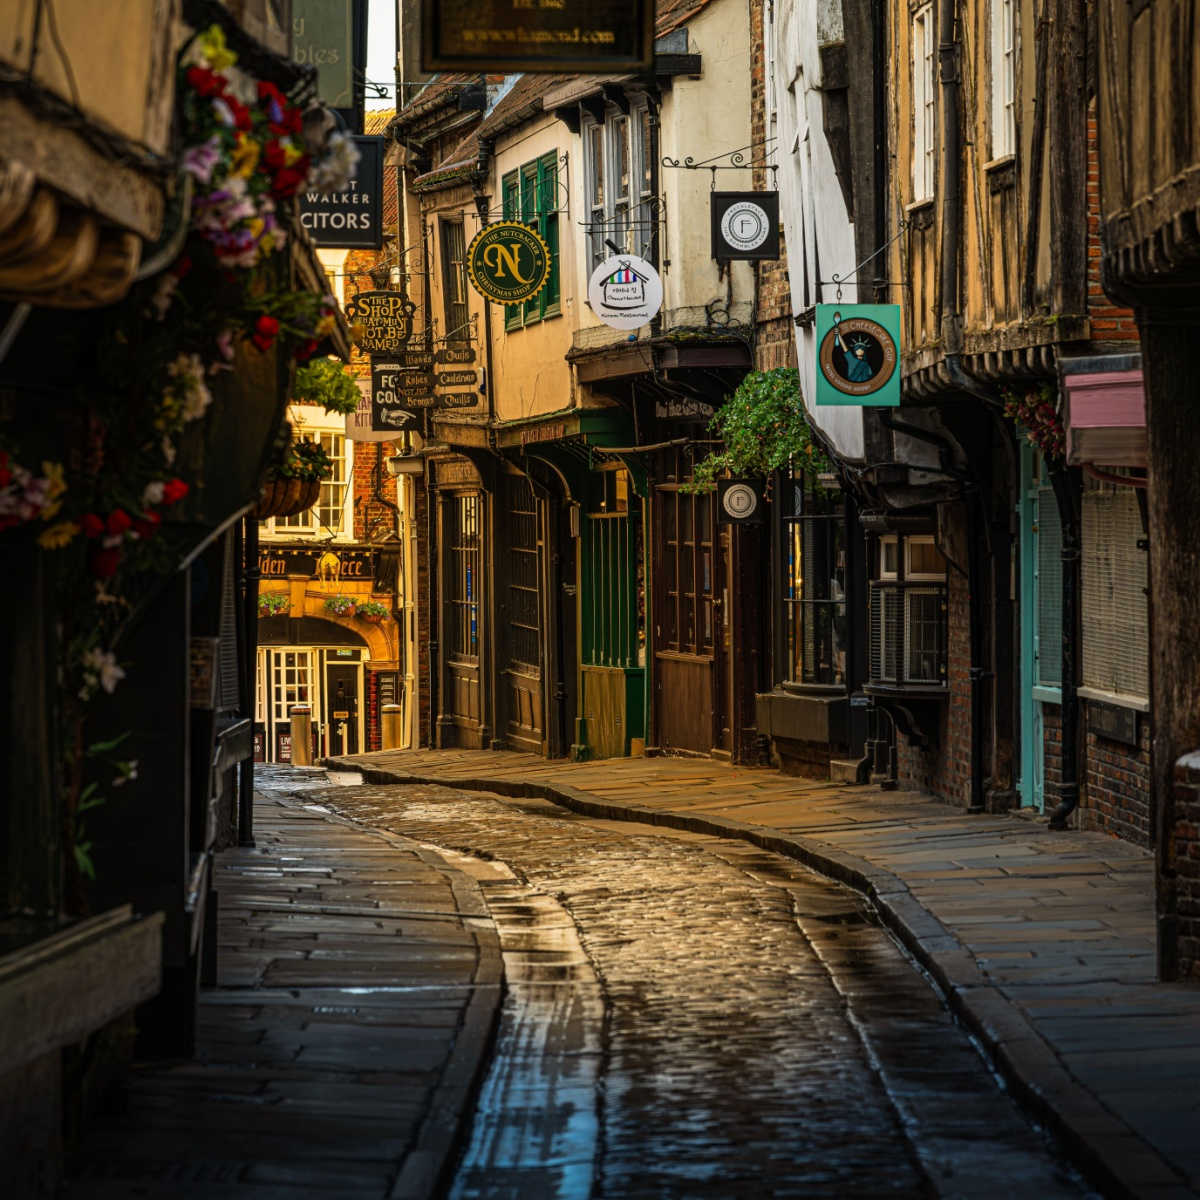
(335, 168)
(168, 450)
(188, 370)
(103, 664)
(152, 494)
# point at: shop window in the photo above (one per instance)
(907, 612)
(333, 514)
(1004, 75)
(685, 559)
(524, 626)
(531, 195)
(814, 586)
(1115, 642)
(924, 112)
(464, 583)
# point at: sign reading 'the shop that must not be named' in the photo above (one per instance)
(353, 219)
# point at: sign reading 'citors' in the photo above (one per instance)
(509, 263)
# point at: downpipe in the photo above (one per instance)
(1066, 491)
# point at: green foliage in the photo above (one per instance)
(271, 604)
(372, 608)
(764, 428)
(340, 606)
(323, 381)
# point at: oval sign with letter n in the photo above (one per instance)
(508, 262)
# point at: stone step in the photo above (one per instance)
(846, 770)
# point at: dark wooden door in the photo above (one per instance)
(687, 612)
(523, 674)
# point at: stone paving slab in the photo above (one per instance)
(359, 985)
(1043, 942)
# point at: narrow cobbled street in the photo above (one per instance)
(684, 1016)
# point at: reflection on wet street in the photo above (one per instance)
(690, 1016)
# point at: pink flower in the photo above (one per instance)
(199, 161)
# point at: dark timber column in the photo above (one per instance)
(1171, 358)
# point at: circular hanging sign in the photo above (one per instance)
(739, 501)
(625, 291)
(745, 225)
(509, 263)
(857, 355)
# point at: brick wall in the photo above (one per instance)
(1051, 748)
(1116, 791)
(1186, 846)
(420, 512)
(944, 767)
(1110, 323)
(373, 732)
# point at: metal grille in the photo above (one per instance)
(523, 567)
(1049, 588)
(813, 604)
(1115, 654)
(228, 667)
(464, 583)
(908, 633)
(885, 634)
(611, 630)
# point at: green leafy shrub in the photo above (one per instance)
(323, 381)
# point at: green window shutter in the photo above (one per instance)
(548, 227)
(529, 214)
(511, 191)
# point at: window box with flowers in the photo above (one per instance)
(271, 604)
(373, 611)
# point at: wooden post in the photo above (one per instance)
(392, 723)
(300, 716)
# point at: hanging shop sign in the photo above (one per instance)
(858, 354)
(537, 35)
(457, 399)
(739, 502)
(508, 262)
(745, 225)
(358, 423)
(353, 219)
(331, 35)
(457, 378)
(386, 319)
(419, 360)
(389, 409)
(625, 291)
(455, 354)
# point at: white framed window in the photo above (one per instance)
(291, 681)
(924, 160)
(1004, 78)
(889, 557)
(619, 182)
(333, 514)
(922, 559)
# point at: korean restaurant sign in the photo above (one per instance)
(508, 262)
(858, 354)
(537, 35)
(353, 219)
(385, 320)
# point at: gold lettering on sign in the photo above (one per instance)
(498, 257)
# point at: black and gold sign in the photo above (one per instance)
(509, 263)
(456, 354)
(385, 319)
(537, 35)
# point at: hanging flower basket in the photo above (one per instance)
(271, 604)
(286, 497)
(372, 611)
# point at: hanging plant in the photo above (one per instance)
(324, 381)
(271, 604)
(340, 606)
(1037, 413)
(765, 429)
(371, 610)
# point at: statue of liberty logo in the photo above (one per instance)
(857, 368)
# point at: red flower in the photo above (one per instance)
(174, 490)
(148, 523)
(104, 562)
(292, 122)
(306, 351)
(267, 326)
(241, 114)
(118, 522)
(274, 154)
(5, 473)
(92, 525)
(288, 181)
(206, 81)
(268, 91)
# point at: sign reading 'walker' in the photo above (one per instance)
(537, 35)
(353, 219)
(508, 262)
(858, 354)
(386, 320)
(625, 291)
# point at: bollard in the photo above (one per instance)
(393, 726)
(301, 718)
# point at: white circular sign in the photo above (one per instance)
(740, 501)
(745, 226)
(625, 291)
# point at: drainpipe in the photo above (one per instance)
(1066, 491)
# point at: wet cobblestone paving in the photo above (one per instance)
(740, 1025)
